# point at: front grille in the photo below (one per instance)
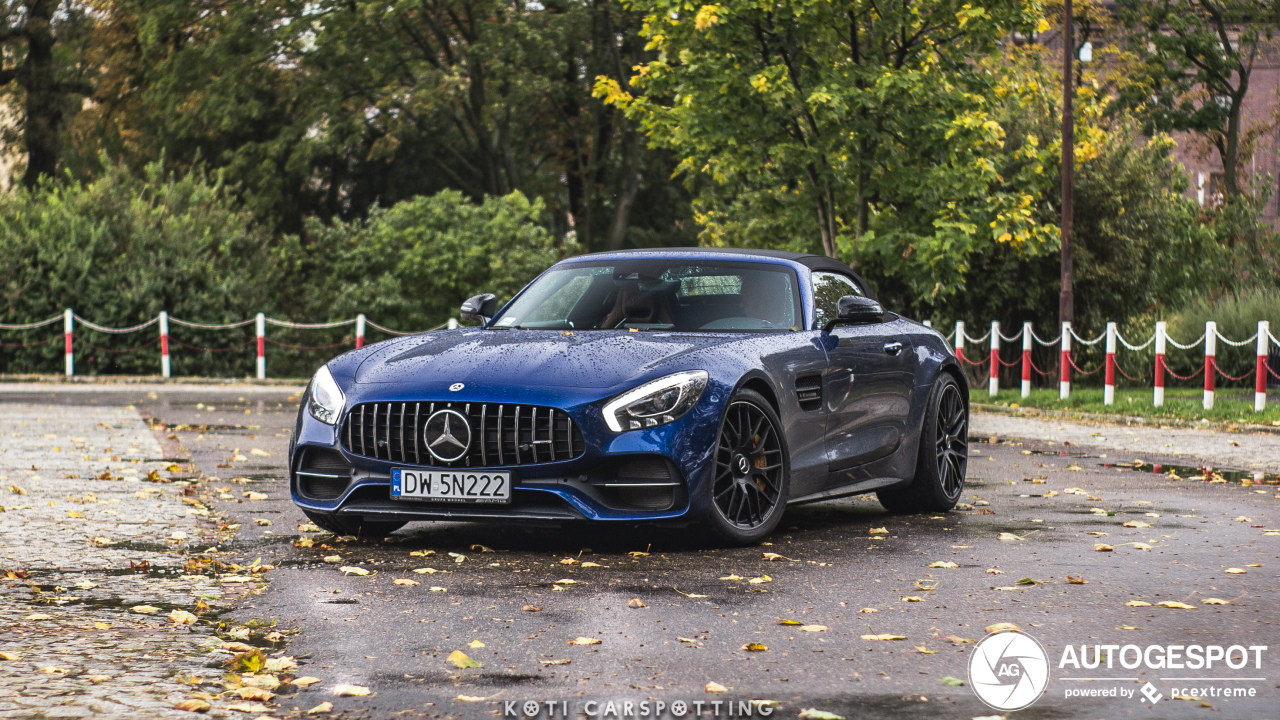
(501, 434)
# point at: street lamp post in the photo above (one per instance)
(1066, 298)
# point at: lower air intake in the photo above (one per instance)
(323, 474)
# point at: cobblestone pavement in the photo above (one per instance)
(97, 610)
(1247, 451)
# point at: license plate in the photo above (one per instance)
(451, 486)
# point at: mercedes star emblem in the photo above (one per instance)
(447, 434)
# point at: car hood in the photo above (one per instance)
(595, 359)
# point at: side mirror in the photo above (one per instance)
(479, 307)
(856, 310)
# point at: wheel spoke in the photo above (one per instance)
(746, 501)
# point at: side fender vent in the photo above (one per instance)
(809, 392)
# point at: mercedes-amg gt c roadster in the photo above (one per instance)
(689, 386)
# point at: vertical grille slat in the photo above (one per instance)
(503, 434)
(417, 458)
(484, 436)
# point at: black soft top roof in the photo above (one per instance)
(813, 262)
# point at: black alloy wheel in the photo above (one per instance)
(952, 446)
(749, 493)
(943, 458)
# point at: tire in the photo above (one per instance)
(363, 529)
(943, 458)
(752, 481)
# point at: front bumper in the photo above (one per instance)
(577, 489)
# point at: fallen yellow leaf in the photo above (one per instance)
(715, 687)
(884, 636)
(1138, 603)
(306, 681)
(351, 691)
(182, 617)
(1176, 605)
(946, 564)
(459, 659)
(1236, 571)
(813, 628)
(349, 570)
(580, 640)
(406, 581)
(1003, 626)
(1214, 601)
(755, 647)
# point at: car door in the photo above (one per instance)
(868, 385)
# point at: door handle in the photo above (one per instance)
(893, 348)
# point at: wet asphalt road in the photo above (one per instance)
(695, 617)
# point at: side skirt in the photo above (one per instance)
(860, 488)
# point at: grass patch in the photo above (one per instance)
(1231, 405)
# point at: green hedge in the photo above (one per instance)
(124, 247)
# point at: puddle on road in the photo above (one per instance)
(1206, 473)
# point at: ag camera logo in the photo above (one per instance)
(1008, 670)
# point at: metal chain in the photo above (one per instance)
(1177, 344)
(1233, 343)
(1134, 347)
(102, 328)
(30, 326)
(1081, 340)
(208, 326)
(310, 326)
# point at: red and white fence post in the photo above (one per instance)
(993, 385)
(1260, 381)
(1210, 349)
(1109, 386)
(68, 327)
(1064, 385)
(359, 331)
(262, 346)
(960, 341)
(1026, 359)
(164, 343)
(1159, 371)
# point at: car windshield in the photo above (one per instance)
(649, 294)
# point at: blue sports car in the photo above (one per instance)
(692, 386)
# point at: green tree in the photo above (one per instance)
(854, 128)
(1192, 65)
(43, 69)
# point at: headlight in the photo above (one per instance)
(655, 403)
(326, 399)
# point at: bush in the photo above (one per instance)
(1237, 317)
(122, 248)
(411, 265)
(119, 250)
